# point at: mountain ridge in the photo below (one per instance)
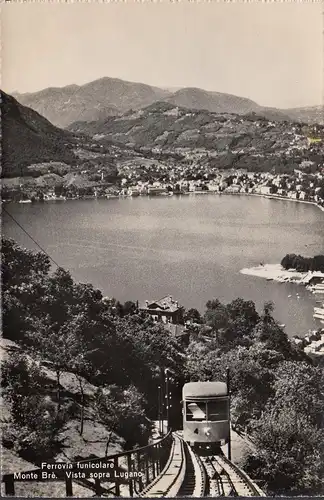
(107, 97)
(94, 100)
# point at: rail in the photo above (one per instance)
(227, 479)
(201, 486)
(183, 475)
(173, 471)
(169, 468)
(189, 474)
(149, 460)
(245, 479)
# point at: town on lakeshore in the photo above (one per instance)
(300, 185)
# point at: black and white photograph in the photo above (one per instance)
(162, 250)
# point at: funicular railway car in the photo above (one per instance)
(206, 417)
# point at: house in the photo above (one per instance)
(313, 278)
(234, 188)
(152, 190)
(165, 310)
(213, 187)
(265, 190)
(133, 191)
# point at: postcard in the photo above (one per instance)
(162, 249)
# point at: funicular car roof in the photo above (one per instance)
(204, 390)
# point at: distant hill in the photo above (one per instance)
(311, 114)
(218, 102)
(194, 98)
(164, 124)
(28, 137)
(93, 101)
(236, 140)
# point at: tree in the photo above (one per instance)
(193, 315)
(129, 307)
(80, 364)
(216, 314)
(243, 312)
(16, 320)
(268, 331)
(53, 346)
(303, 264)
(20, 266)
(288, 454)
(20, 376)
(122, 411)
(299, 386)
(34, 427)
(243, 318)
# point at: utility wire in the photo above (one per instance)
(26, 232)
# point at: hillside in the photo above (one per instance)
(217, 102)
(194, 98)
(62, 347)
(92, 101)
(243, 140)
(28, 137)
(39, 158)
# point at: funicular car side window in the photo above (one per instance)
(196, 411)
(217, 410)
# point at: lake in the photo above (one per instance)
(191, 247)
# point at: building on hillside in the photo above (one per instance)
(154, 190)
(213, 187)
(265, 189)
(233, 188)
(165, 310)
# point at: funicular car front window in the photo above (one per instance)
(196, 411)
(217, 410)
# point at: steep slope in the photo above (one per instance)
(61, 106)
(27, 137)
(92, 101)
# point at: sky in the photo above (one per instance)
(269, 52)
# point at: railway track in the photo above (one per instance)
(183, 475)
(188, 474)
(226, 479)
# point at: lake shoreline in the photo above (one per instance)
(195, 193)
(268, 196)
(274, 272)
